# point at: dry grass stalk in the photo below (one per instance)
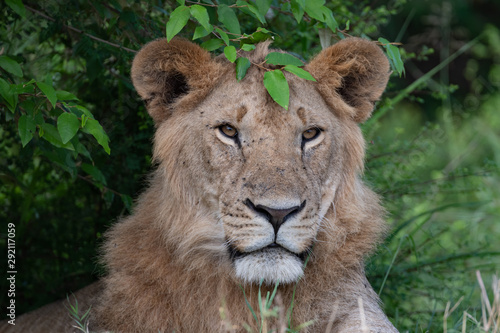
(282, 326)
(331, 320)
(364, 328)
(226, 322)
(490, 311)
(490, 314)
(448, 312)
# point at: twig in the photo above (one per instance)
(209, 5)
(278, 9)
(39, 13)
(260, 66)
(103, 186)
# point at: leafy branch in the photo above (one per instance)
(275, 82)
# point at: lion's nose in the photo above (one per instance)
(275, 216)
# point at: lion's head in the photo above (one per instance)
(259, 180)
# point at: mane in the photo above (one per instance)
(173, 242)
(179, 246)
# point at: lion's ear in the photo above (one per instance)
(164, 72)
(355, 70)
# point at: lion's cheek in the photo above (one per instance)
(298, 235)
(247, 235)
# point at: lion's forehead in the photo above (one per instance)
(249, 101)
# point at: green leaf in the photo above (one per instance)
(263, 6)
(26, 127)
(181, 2)
(260, 35)
(314, 8)
(229, 19)
(299, 72)
(277, 86)
(65, 96)
(297, 10)
(63, 158)
(329, 19)
(67, 125)
(212, 44)
(4, 88)
(84, 111)
(17, 6)
(127, 201)
(82, 150)
(8, 94)
(39, 120)
(242, 65)
(201, 15)
(84, 120)
(108, 197)
(263, 30)
(223, 35)
(248, 47)
(48, 79)
(49, 92)
(11, 66)
(301, 3)
(23, 88)
(277, 58)
(51, 134)
(250, 9)
(93, 127)
(178, 19)
(94, 172)
(230, 53)
(201, 32)
(394, 56)
(30, 82)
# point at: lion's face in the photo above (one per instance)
(266, 176)
(274, 173)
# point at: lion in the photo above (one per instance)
(246, 197)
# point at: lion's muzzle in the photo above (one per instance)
(275, 216)
(269, 256)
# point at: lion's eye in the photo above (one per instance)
(310, 134)
(228, 131)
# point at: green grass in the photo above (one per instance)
(81, 321)
(440, 184)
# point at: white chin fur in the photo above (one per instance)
(269, 265)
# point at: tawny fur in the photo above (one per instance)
(169, 267)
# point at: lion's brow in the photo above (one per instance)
(302, 115)
(241, 112)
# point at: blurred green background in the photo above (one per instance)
(433, 145)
